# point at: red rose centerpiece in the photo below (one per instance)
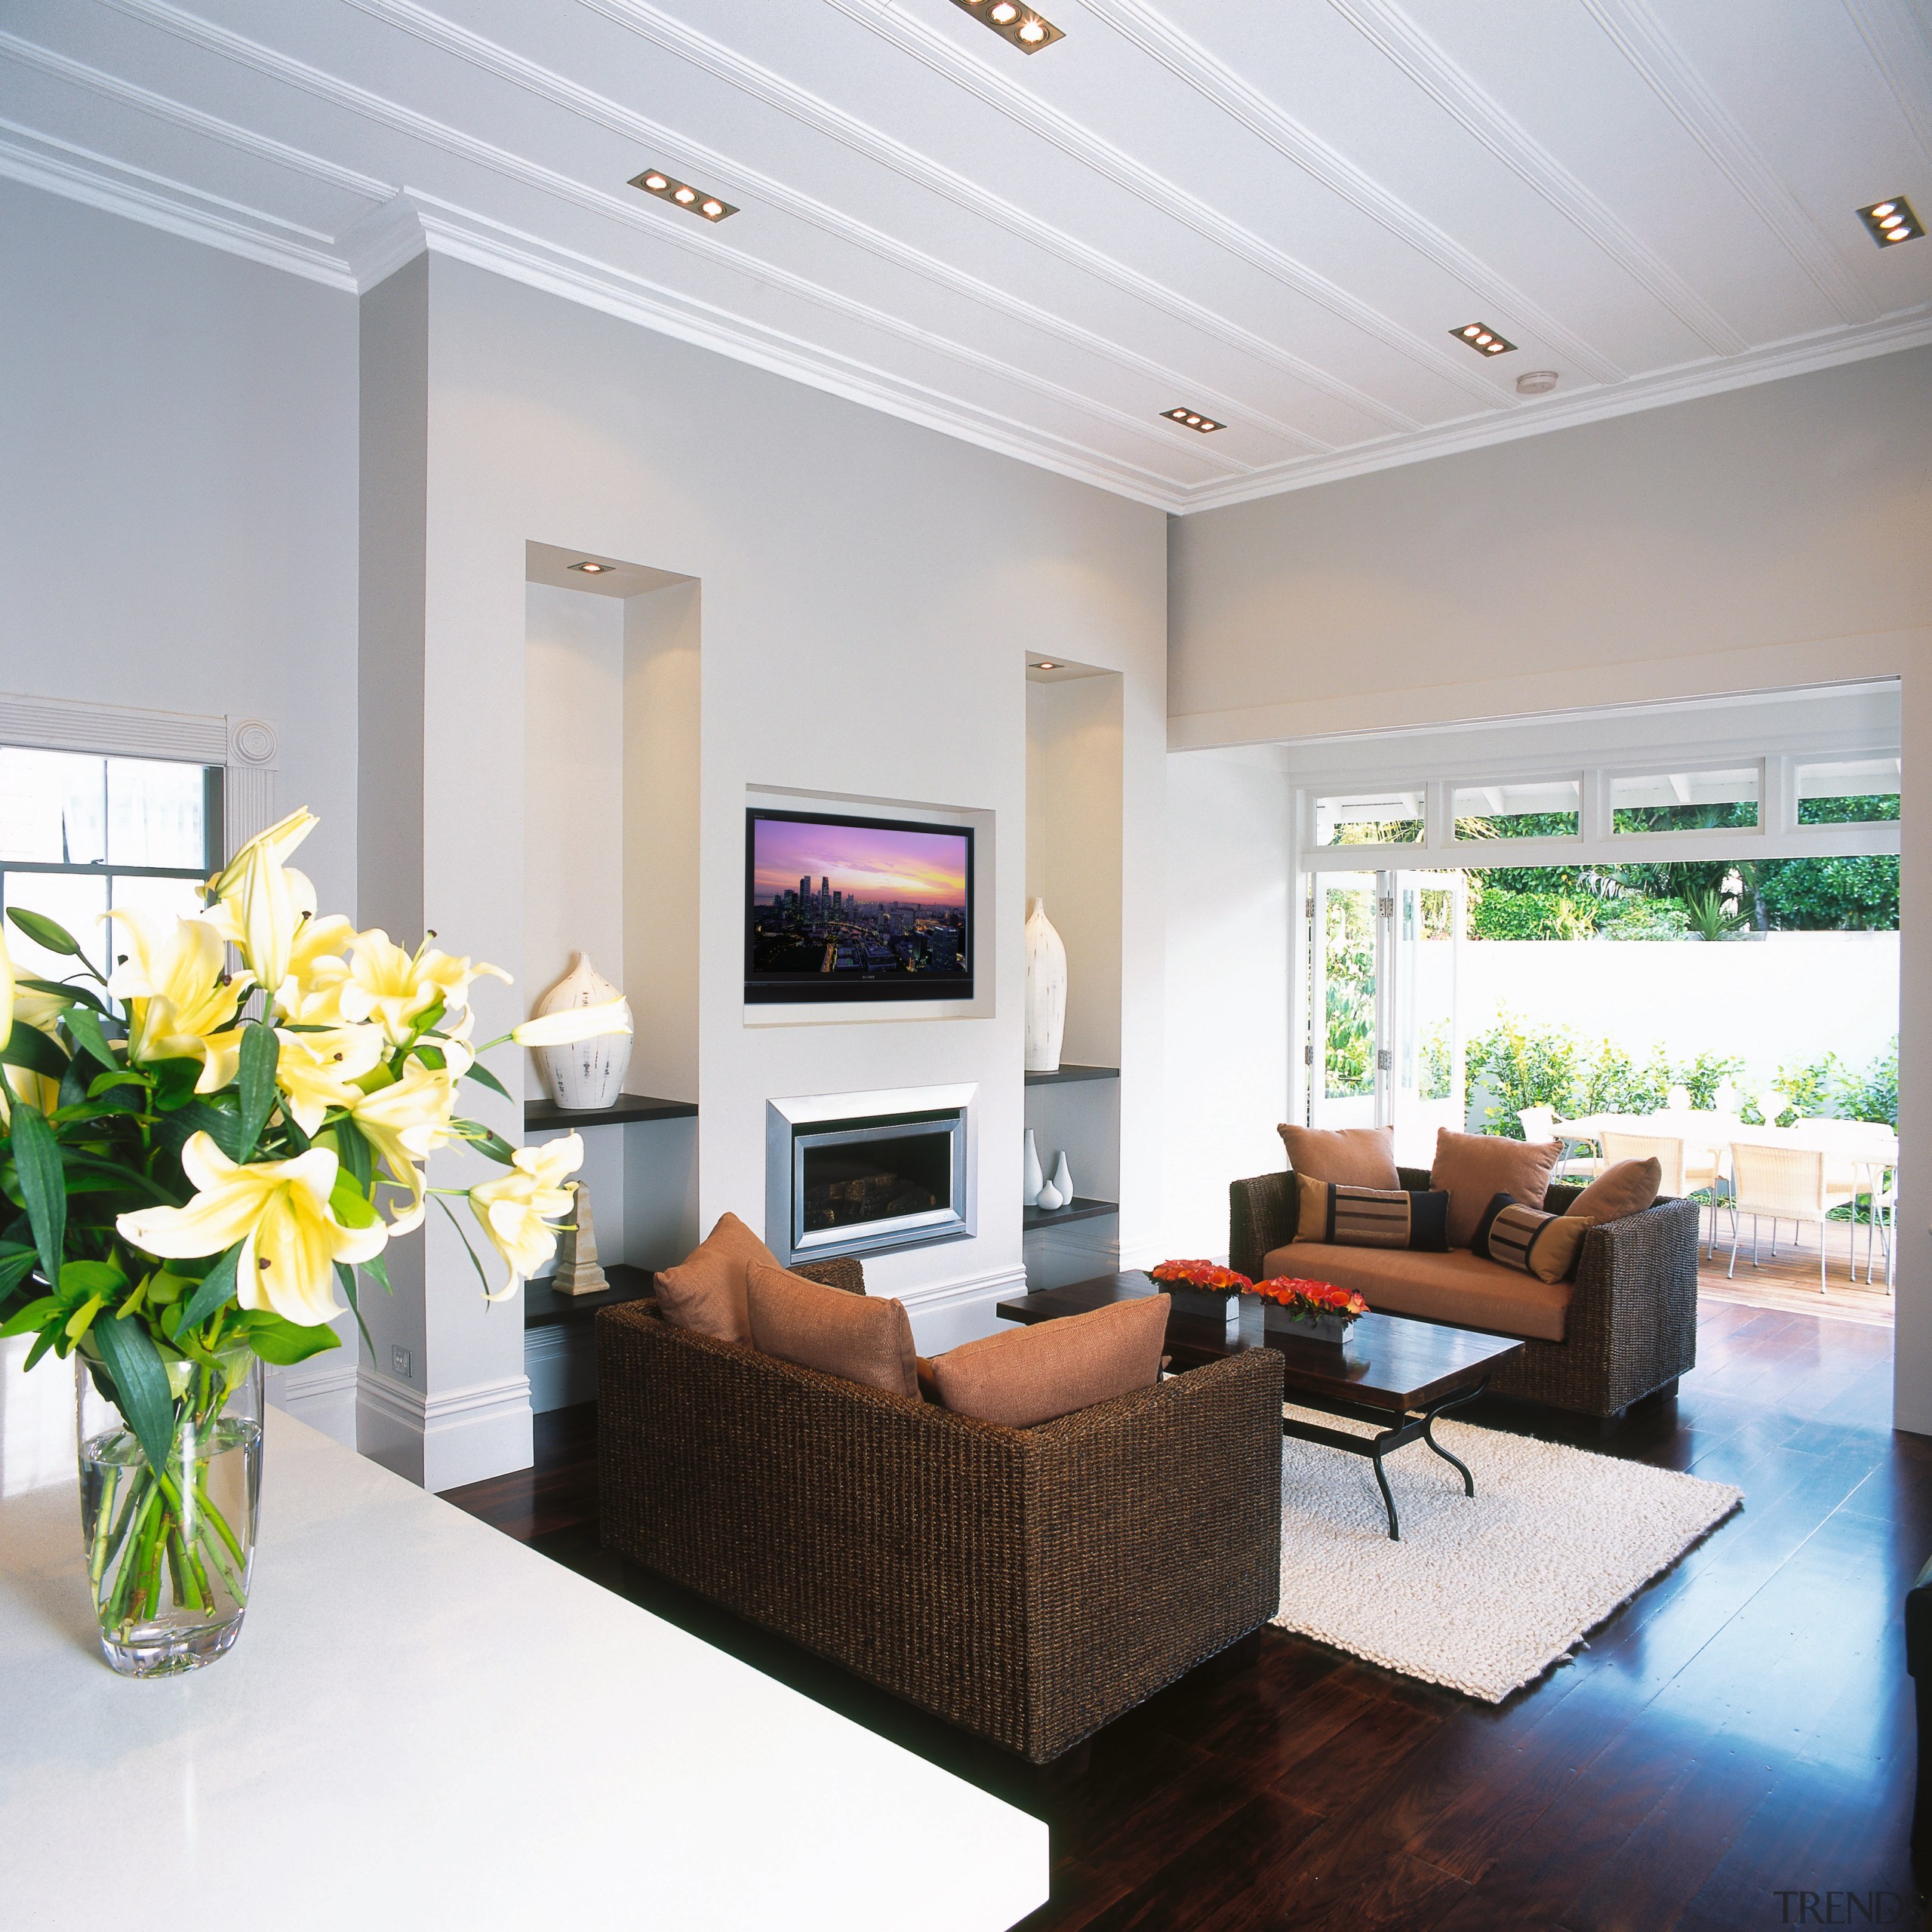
(1204, 1289)
(1315, 1311)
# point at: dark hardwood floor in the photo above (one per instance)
(1738, 1735)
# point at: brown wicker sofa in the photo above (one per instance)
(1027, 1585)
(1630, 1328)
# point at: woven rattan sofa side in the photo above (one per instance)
(1029, 1586)
(1631, 1329)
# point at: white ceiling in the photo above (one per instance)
(1273, 211)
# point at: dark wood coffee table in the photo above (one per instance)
(1399, 1374)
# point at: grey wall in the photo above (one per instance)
(1715, 545)
(178, 492)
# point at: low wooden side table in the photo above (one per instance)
(1398, 1373)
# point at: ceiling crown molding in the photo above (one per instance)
(1640, 37)
(1902, 52)
(1191, 64)
(1913, 330)
(934, 50)
(79, 174)
(1388, 29)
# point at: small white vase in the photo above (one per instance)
(1049, 1198)
(1062, 1181)
(591, 1073)
(1035, 1178)
(1046, 990)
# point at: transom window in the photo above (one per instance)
(80, 834)
(1685, 801)
(1393, 817)
(1547, 808)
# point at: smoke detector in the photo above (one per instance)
(1536, 382)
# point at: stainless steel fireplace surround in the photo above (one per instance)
(860, 1173)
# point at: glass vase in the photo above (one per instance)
(169, 1551)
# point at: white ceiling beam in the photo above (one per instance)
(1670, 74)
(1902, 52)
(1495, 295)
(927, 45)
(1386, 27)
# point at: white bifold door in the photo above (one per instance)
(1384, 1046)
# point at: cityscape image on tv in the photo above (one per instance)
(836, 900)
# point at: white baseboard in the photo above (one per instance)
(962, 1311)
(323, 1398)
(561, 1364)
(443, 1440)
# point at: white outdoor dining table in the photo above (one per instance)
(1871, 1154)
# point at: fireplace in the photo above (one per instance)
(859, 1173)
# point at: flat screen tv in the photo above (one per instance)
(845, 908)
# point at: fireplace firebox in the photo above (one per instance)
(846, 1176)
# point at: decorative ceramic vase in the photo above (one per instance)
(1046, 991)
(1063, 1179)
(591, 1073)
(1035, 1179)
(578, 1271)
(1049, 1199)
(169, 1555)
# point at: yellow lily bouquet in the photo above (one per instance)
(197, 1157)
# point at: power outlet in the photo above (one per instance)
(399, 1362)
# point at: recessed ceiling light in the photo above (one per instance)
(1019, 25)
(1192, 419)
(667, 187)
(1536, 382)
(1483, 339)
(590, 569)
(1891, 221)
(1046, 664)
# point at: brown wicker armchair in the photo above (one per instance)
(1027, 1585)
(1631, 1329)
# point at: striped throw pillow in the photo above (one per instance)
(1371, 1216)
(1529, 1241)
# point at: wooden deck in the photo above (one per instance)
(1790, 1283)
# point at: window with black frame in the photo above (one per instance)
(80, 835)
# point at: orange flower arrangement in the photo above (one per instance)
(1202, 1274)
(1309, 1301)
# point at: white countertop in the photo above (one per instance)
(425, 1724)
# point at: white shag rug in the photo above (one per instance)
(1484, 1593)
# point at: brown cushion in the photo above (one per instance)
(1626, 1187)
(1476, 1167)
(1457, 1287)
(1371, 1217)
(863, 1338)
(1022, 1375)
(1350, 1156)
(706, 1291)
(1529, 1241)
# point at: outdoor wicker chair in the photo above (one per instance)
(1028, 1585)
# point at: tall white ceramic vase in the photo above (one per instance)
(1035, 1176)
(1046, 990)
(591, 1073)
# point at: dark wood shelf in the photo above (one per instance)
(1067, 1073)
(544, 1308)
(629, 1107)
(1078, 1209)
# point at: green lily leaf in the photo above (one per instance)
(28, 1047)
(65, 989)
(80, 1279)
(32, 1316)
(43, 931)
(277, 1340)
(432, 1057)
(378, 1270)
(43, 1190)
(140, 1383)
(260, 1053)
(217, 1289)
(349, 1205)
(484, 1077)
(485, 1140)
(84, 1028)
(220, 1123)
(346, 1276)
(357, 1156)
